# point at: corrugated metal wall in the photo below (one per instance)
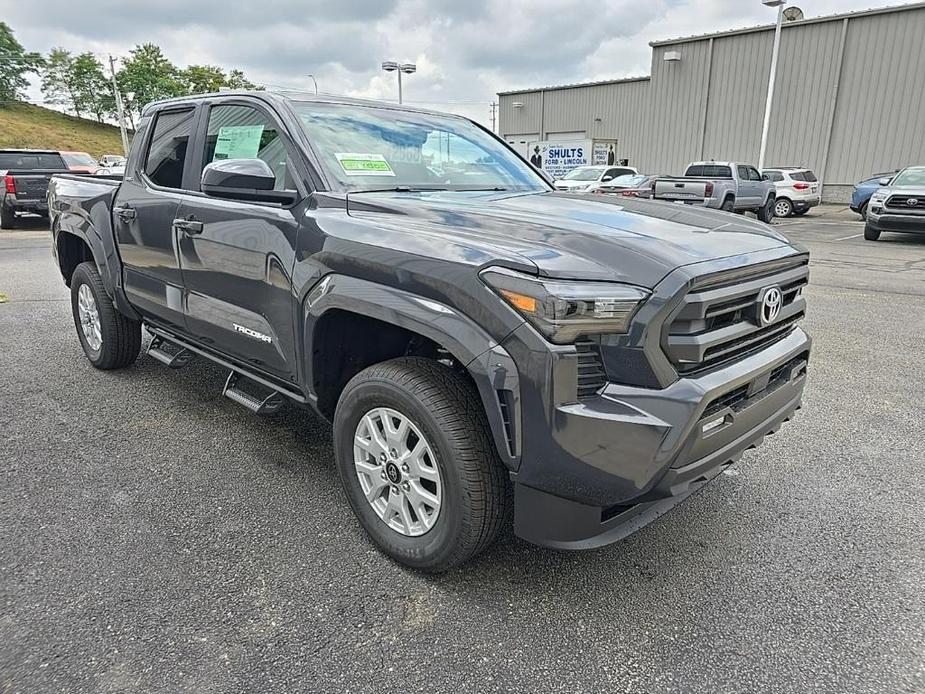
(849, 100)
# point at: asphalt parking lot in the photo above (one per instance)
(155, 537)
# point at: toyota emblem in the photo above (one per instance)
(912, 202)
(770, 302)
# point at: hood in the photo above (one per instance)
(578, 237)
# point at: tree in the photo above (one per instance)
(57, 80)
(149, 75)
(15, 63)
(92, 91)
(202, 79)
(237, 80)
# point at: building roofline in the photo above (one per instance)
(786, 25)
(576, 85)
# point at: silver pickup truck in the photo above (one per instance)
(722, 185)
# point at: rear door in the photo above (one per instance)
(237, 260)
(143, 214)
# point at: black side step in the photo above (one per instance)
(174, 359)
(267, 405)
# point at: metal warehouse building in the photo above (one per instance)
(849, 100)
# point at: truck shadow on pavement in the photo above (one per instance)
(294, 447)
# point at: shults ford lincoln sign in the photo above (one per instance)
(558, 158)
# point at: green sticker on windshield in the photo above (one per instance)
(358, 164)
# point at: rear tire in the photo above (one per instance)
(728, 204)
(7, 218)
(871, 234)
(766, 212)
(462, 473)
(783, 207)
(110, 339)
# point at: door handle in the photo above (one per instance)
(188, 226)
(124, 213)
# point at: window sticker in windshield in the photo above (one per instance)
(357, 164)
(238, 142)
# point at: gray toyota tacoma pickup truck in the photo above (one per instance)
(722, 185)
(487, 349)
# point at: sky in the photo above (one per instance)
(465, 50)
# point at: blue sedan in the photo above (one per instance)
(863, 190)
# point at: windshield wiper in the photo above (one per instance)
(396, 189)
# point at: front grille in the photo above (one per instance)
(718, 320)
(739, 398)
(591, 376)
(901, 202)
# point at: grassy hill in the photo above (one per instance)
(25, 125)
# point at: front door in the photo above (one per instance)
(237, 258)
(748, 194)
(143, 213)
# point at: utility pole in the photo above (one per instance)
(494, 110)
(119, 110)
(772, 78)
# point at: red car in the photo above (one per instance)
(80, 162)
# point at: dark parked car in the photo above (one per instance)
(25, 175)
(478, 340)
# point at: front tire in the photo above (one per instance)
(766, 212)
(417, 463)
(863, 211)
(783, 208)
(110, 339)
(871, 234)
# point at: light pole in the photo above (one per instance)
(779, 4)
(315, 82)
(392, 66)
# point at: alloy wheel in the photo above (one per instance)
(397, 471)
(89, 316)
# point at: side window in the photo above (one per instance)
(797, 176)
(167, 151)
(243, 132)
(753, 174)
(775, 176)
(743, 173)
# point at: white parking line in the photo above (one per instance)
(845, 238)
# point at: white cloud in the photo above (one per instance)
(466, 50)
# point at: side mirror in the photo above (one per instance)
(884, 181)
(606, 178)
(243, 179)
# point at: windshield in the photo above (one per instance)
(78, 159)
(910, 177)
(584, 173)
(371, 148)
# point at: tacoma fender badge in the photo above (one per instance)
(253, 333)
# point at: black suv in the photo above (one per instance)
(480, 342)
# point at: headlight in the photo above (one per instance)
(878, 197)
(562, 310)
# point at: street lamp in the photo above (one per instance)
(315, 82)
(772, 78)
(392, 66)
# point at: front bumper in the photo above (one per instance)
(619, 460)
(902, 223)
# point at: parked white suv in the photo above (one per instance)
(797, 190)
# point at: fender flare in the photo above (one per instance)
(488, 363)
(94, 228)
